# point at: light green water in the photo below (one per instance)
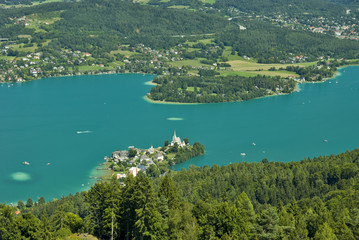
(73, 122)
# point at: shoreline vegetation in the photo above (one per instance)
(211, 89)
(153, 162)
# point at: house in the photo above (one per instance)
(120, 175)
(159, 157)
(134, 171)
(145, 157)
(120, 155)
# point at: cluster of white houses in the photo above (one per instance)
(143, 158)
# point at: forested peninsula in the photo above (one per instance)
(222, 42)
(311, 199)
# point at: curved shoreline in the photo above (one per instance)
(296, 89)
(171, 103)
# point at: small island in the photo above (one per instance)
(152, 161)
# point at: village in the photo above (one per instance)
(27, 57)
(152, 161)
(344, 27)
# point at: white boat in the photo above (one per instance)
(26, 163)
(243, 154)
(325, 140)
(47, 164)
(253, 143)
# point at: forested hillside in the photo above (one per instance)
(312, 199)
(269, 43)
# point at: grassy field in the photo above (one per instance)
(227, 53)
(244, 68)
(126, 53)
(243, 65)
(179, 7)
(6, 57)
(21, 48)
(33, 4)
(190, 62)
(237, 73)
(91, 68)
(171, 155)
(255, 73)
(208, 1)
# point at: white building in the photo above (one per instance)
(177, 140)
(151, 149)
(134, 171)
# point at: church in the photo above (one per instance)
(177, 140)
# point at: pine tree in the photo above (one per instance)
(21, 205)
(245, 207)
(169, 191)
(148, 223)
(29, 203)
(104, 200)
(267, 224)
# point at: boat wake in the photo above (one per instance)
(81, 132)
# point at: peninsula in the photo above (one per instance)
(260, 56)
(152, 161)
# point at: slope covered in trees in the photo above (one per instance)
(312, 199)
(269, 43)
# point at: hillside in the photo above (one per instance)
(312, 199)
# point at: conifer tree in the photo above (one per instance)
(169, 191)
(148, 223)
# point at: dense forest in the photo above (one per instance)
(207, 89)
(83, 25)
(311, 199)
(271, 44)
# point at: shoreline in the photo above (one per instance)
(171, 103)
(296, 89)
(79, 75)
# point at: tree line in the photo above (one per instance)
(311, 199)
(207, 89)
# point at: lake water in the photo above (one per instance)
(65, 126)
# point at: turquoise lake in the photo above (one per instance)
(73, 122)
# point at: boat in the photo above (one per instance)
(243, 154)
(47, 164)
(253, 143)
(26, 163)
(325, 140)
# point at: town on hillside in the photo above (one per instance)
(152, 161)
